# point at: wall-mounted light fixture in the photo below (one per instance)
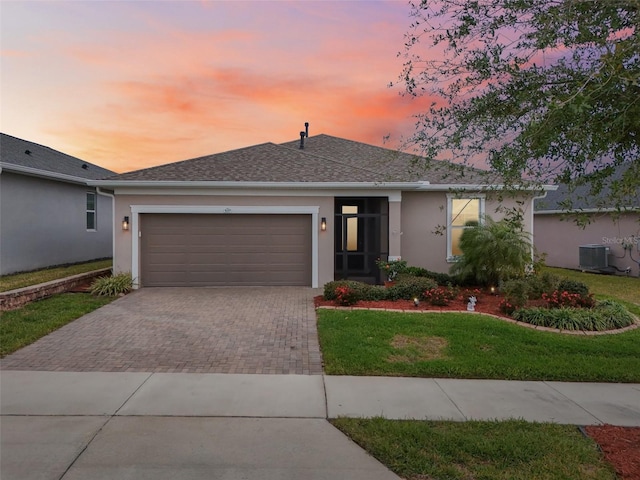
(125, 223)
(323, 224)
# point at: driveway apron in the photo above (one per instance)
(270, 330)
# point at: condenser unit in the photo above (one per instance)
(594, 257)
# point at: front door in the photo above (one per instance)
(361, 237)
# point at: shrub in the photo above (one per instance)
(360, 289)
(440, 278)
(440, 295)
(468, 292)
(391, 268)
(345, 295)
(606, 315)
(493, 252)
(573, 286)
(375, 292)
(546, 282)
(112, 286)
(408, 287)
(559, 299)
(506, 307)
(516, 292)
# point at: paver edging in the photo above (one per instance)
(633, 326)
(12, 299)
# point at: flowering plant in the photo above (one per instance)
(391, 268)
(345, 296)
(470, 292)
(440, 295)
(559, 299)
(506, 307)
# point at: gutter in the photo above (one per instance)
(251, 185)
(420, 186)
(589, 210)
(36, 172)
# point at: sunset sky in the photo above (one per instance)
(128, 85)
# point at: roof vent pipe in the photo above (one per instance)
(302, 134)
(306, 129)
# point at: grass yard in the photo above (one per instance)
(20, 280)
(510, 450)
(609, 286)
(21, 327)
(460, 345)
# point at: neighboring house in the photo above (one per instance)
(285, 215)
(603, 240)
(48, 214)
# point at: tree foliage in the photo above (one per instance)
(544, 91)
(493, 252)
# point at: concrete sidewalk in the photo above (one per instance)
(64, 425)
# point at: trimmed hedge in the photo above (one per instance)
(606, 315)
(407, 287)
(440, 278)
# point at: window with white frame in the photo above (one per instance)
(460, 211)
(91, 211)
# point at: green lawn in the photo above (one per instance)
(510, 450)
(21, 327)
(610, 286)
(459, 345)
(19, 280)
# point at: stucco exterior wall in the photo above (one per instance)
(123, 241)
(560, 239)
(43, 223)
(423, 213)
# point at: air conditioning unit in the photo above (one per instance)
(594, 257)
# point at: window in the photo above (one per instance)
(91, 211)
(352, 227)
(460, 211)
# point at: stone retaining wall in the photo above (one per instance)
(17, 298)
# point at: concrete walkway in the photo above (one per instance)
(73, 425)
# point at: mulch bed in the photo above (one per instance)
(621, 448)
(487, 303)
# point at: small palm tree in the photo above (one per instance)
(493, 252)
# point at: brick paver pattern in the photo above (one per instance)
(270, 330)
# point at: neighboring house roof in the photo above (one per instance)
(580, 198)
(22, 156)
(324, 159)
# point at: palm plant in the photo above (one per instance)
(493, 252)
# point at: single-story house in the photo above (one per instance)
(48, 214)
(300, 213)
(608, 243)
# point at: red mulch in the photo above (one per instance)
(487, 303)
(621, 447)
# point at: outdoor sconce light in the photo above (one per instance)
(323, 224)
(125, 223)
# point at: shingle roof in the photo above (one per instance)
(581, 199)
(15, 151)
(323, 159)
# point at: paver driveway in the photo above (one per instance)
(196, 330)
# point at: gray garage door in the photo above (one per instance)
(215, 250)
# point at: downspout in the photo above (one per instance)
(99, 191)
(533, 206)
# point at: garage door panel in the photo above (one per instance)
(202, 250)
